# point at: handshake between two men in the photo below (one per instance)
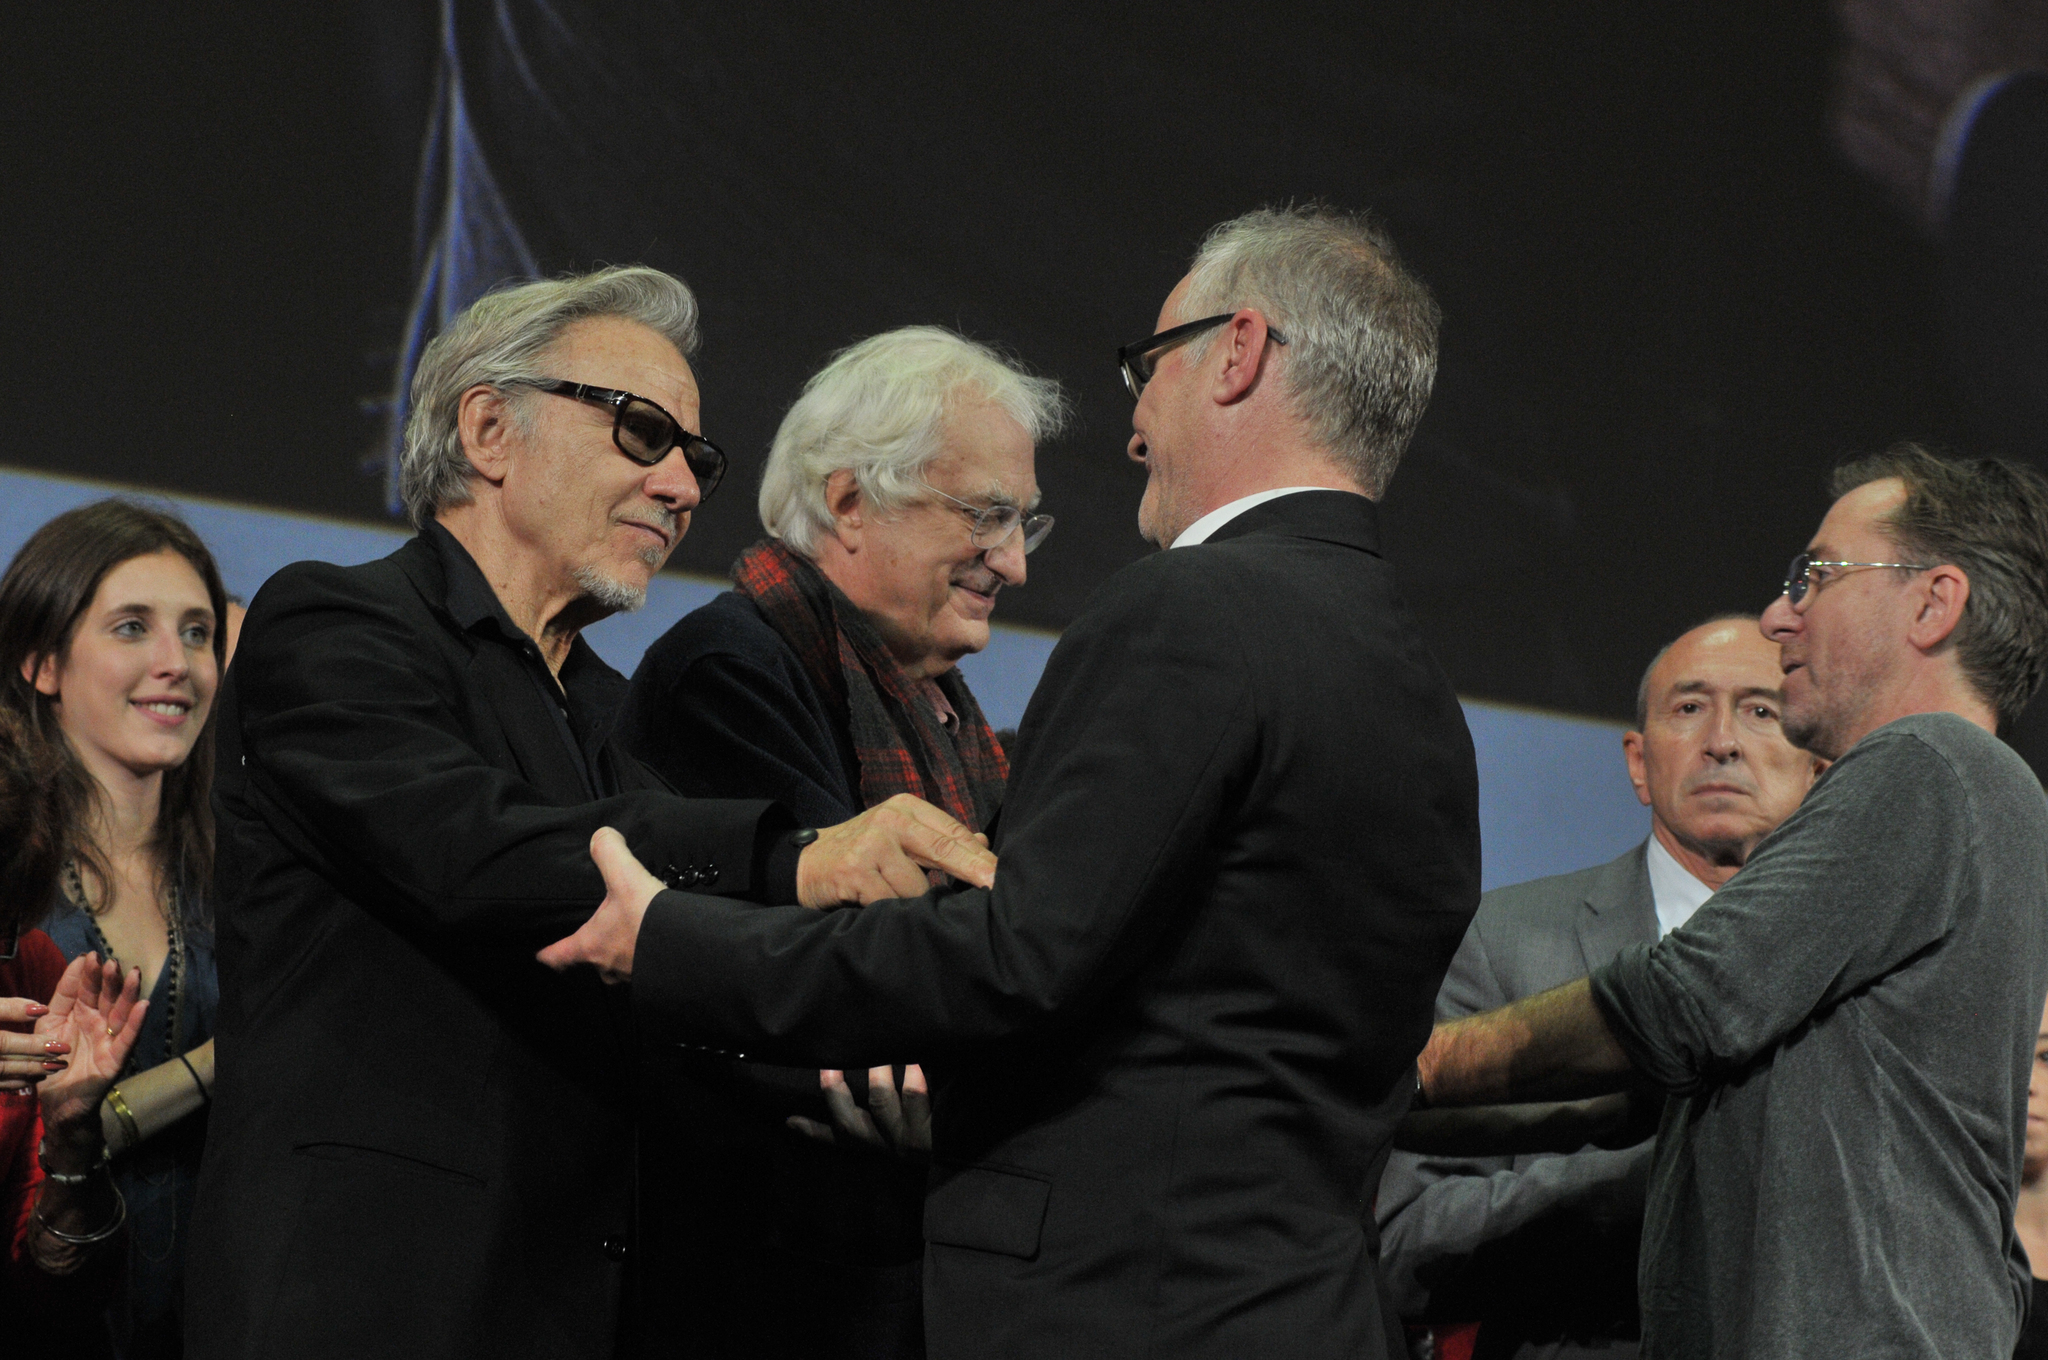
(882, 853)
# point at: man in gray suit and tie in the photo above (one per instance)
(1541, 1249)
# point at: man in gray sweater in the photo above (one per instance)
(1847, 1026)
(1541, 1248)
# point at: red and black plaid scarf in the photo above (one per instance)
(898, 737)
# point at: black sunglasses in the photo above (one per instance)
(1140, 357)
(643, 431)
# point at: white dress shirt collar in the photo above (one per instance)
(1199, 531)
(1676, 892)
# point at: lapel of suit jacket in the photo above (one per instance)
(1618, 910)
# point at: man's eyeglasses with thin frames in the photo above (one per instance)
(993, 524)
(1800, 579)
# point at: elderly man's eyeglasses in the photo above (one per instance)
(1807, 572)
(643, 431)
(993, 524)
(1140, 357)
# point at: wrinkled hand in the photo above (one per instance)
(96, 1017)
(898, 1124)
(607, 939)
(884, 853)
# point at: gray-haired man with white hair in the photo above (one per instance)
(421, 1140)
(1240, 844)
(898, 499)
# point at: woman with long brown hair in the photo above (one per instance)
(111, 649)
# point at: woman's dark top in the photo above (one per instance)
(146, 1319)
(2034, 1334)
(759, 1241)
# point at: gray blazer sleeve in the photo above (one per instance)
(1435, 1214)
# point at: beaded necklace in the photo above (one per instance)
(174, 955)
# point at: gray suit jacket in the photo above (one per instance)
(1541, 1247)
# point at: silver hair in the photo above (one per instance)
(1361, 330)
(879, 409)
(503, 337)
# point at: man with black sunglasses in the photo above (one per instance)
(1846, 1028)
(1239, 846)
(422, 1141)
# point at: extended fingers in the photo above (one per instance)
(932, 837)
(125, 1000)
(883, 1106)
(124, 1042)
(19, 1010)
(849, 1118)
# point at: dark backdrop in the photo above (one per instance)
(1670, 308)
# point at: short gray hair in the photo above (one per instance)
(1361, 330)
(879, 409)
(501, 338)
(1988, 516)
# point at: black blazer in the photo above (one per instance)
(1239, 847)
(421, 1139)
(735, 1206)
(720, 702)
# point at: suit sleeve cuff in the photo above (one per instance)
(775, 856)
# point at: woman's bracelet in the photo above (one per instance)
(50, 1173)
(125, 1115)
(84, 1239)
(205, 1096)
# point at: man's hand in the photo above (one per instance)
(900, 1125)
(607, 939)
(884, 853)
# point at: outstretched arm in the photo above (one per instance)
(1555, 1045)
(881, 853)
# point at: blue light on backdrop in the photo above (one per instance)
(1552, 792)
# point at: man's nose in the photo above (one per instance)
(673, 484)
(1780, 620)
(1006, 559)
(1722, 742)
(1136, 448)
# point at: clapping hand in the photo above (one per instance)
(95, 1018)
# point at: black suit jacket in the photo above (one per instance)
(1239, 847)
(1541, 1249)
(420, 1141)
(735, 1205)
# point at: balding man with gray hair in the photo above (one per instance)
(1239, 847)
(421, 1140)
(899, 498)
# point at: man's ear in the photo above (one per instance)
(844, 503)
(1242, 344)
(483, 418)
(1632, 751)
(1943, 593)
(41, 671)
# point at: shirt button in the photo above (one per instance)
(614, 1248)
